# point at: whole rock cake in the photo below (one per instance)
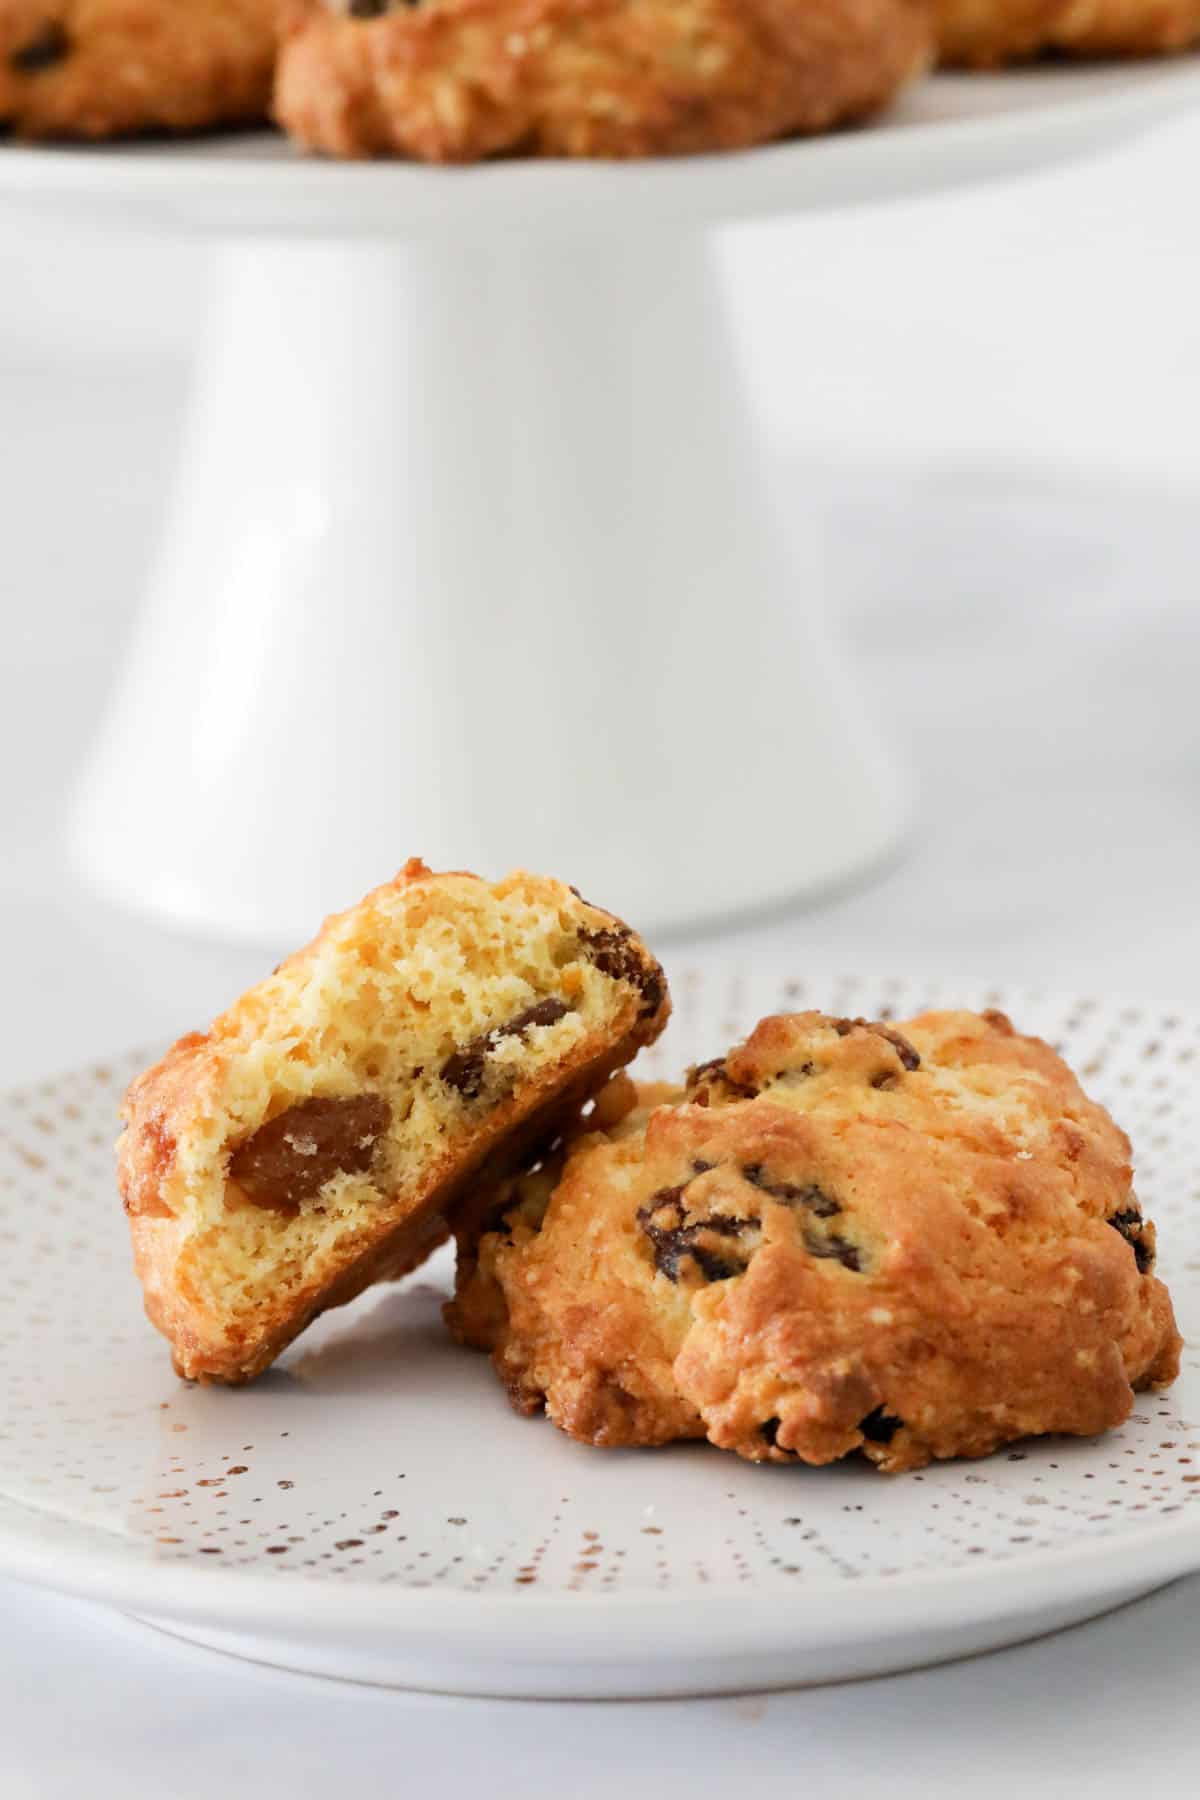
(986, 33)
(109, 68)
(912, 1242)
(457, 80)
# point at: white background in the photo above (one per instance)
(994, 400)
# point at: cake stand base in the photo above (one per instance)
(471, 555)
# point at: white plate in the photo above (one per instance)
(373, 1509)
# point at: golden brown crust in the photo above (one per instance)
(107, 68)
(985, 34)
(916, 1243)
(458, 80)
(474, 1019)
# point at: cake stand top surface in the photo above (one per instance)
(949, 130)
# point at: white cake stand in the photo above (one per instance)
(470, 552)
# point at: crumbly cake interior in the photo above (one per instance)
(360, 1068)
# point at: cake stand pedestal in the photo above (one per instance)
(471, 551)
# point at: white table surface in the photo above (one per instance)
(1033, 645)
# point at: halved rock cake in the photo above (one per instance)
(317, 1137)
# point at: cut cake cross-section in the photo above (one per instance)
(318, 1136)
